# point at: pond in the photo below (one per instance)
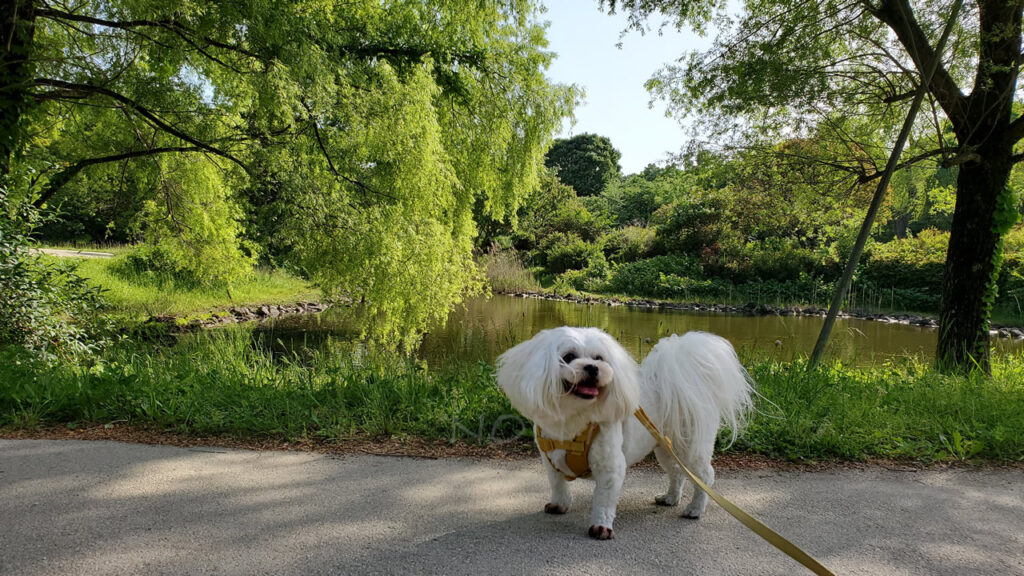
(483, 328)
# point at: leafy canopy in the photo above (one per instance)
(365, 135)
(587, 162)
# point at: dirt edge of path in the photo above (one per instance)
(513, 450)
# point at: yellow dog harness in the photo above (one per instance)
(576, 451)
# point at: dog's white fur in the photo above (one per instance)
(688, 385)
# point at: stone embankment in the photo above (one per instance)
(258, 313)
(752, 309)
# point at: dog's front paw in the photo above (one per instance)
(552, 508)
(666, 500)
(600, 532)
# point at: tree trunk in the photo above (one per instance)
(17, 27)
(970, 264)
(971, 260)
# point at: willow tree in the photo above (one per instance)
(787, 63)
(373, 128)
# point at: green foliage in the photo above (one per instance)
(505, 272)
(45, 306)
(839, 72)
(911, 263)
(628, 244)
(569, 252)
(586, 162)
(1006, 215)
(221, 384)
(691, 225)
(779, 259)
(646, 277)
(634, 200)
(193, 233)
(359, 141)
(139, 287)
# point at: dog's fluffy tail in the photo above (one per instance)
(693, 384)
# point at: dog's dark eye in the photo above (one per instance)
(599, 359)
(569, 357)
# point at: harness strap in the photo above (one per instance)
(576, 450)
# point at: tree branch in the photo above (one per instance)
(897, 15)
(64, 176)
(131, 25)
(1016, 130)
(142, 111)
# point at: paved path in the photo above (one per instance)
(73, 507)
(62, 253)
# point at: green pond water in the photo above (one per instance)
(484, 328)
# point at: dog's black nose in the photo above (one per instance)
(591, 370)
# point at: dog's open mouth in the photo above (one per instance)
(587, 390)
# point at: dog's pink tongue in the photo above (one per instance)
(588, 390)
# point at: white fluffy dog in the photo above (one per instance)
(567, 379)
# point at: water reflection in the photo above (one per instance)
(484, 328)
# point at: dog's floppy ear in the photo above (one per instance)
(624, 396)
(529, 375)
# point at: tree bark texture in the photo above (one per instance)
(969, 271)
(17, 28)
(985, 130)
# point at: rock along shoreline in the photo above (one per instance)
(236, 314)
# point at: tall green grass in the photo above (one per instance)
(228, 383)
(146, 294)
(905, 410)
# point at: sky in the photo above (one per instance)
(616, 102)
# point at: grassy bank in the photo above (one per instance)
(223, 384)
(146, 294)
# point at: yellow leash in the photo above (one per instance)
(749, 521)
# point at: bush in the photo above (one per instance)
(44, 307)
(909, 264)
(775, 259)
(154, 265)
(690, 225)
(589, 279)
(645, 277)
(633, 201)
(628, 244)
(569, 252)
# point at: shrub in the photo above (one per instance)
(775, 259)
(645, 277)
(633, 201)
(910, 263)
(153, 265)
(569, 252)
(690, 225)
(590, 279)
(45, 307)
(628, 244)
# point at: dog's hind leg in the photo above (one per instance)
(561, 497)
(700, 465)
(675, 479)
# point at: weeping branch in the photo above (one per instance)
(143, 111)
(64, 176)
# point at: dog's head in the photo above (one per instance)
(568, 372)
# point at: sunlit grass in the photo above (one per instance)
(141, 295)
